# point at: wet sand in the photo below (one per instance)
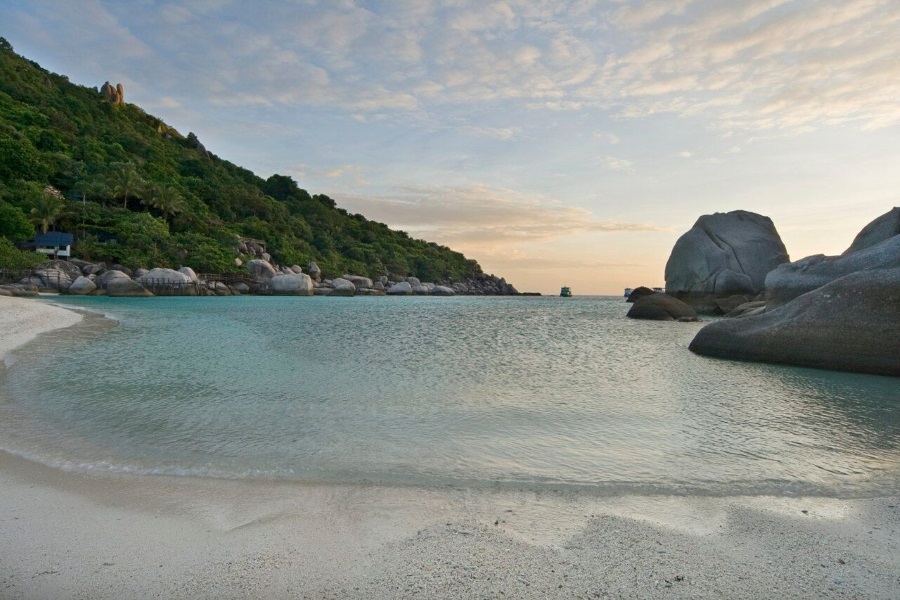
(75, 535)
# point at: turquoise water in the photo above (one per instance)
(521, 392)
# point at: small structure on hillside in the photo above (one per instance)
(57, 244)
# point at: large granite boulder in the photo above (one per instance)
(662, 307)
(125, 287)
(161, 276)
(260, 270)
(883, 228)
(295, 284)
(189, 273)
(442, 290)
(314, 271)
(52, 278)
(359, 281)
(723, 254)
(791, 280)
(401, 288)
(342, 287)
(82, 286)
(103, 280)
(20, 290)
(850, 324)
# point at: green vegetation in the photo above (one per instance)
(135, 191)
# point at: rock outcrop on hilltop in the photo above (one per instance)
(722, 255)
(116, 95)
(849, 324)
(876, 246)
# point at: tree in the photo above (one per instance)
(46, 208)
(89, 188)
(166, 199)
(14, 224)
(126, 183)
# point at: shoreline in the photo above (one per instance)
(69, 534)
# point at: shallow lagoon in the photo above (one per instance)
(518, 392)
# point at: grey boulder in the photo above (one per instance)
(662, 307)
(401, 288)
(161, 276)
(189, 273)
(125, 287)
(103, 280)
(82, 286)
(723, 254)
(883, 228)
(260, 270)
(295, 284)
(850, 324)
(794, 279)
(359, 281)
(342, 287)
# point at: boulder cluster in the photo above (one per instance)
(80, 277)
(835, 312)
(292, 280)
(116, 95)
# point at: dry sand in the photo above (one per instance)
(71, 535)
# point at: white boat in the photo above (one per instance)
(628, 292)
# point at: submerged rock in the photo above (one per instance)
(638, 293)
(662, 307)
(850, 324)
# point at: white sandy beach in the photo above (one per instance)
(72, 535)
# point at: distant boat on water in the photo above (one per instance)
(628, 291)
(565, 292)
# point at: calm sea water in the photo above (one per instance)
(521, 392)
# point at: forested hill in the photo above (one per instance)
(136, 192)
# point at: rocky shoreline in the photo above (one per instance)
(78, 277)
(832, 312)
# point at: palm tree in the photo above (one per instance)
(46, 208)
(127, 183)
(166, 199)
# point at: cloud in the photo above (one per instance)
(479, 217)
(616, 164)
(756, 65)
(499, 133)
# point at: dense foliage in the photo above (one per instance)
(135, 191)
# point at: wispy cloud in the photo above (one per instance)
(754, 65)
(476, 217)
(614, 163)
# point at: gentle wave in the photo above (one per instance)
(536, 393)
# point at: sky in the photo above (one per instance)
(555, 142)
